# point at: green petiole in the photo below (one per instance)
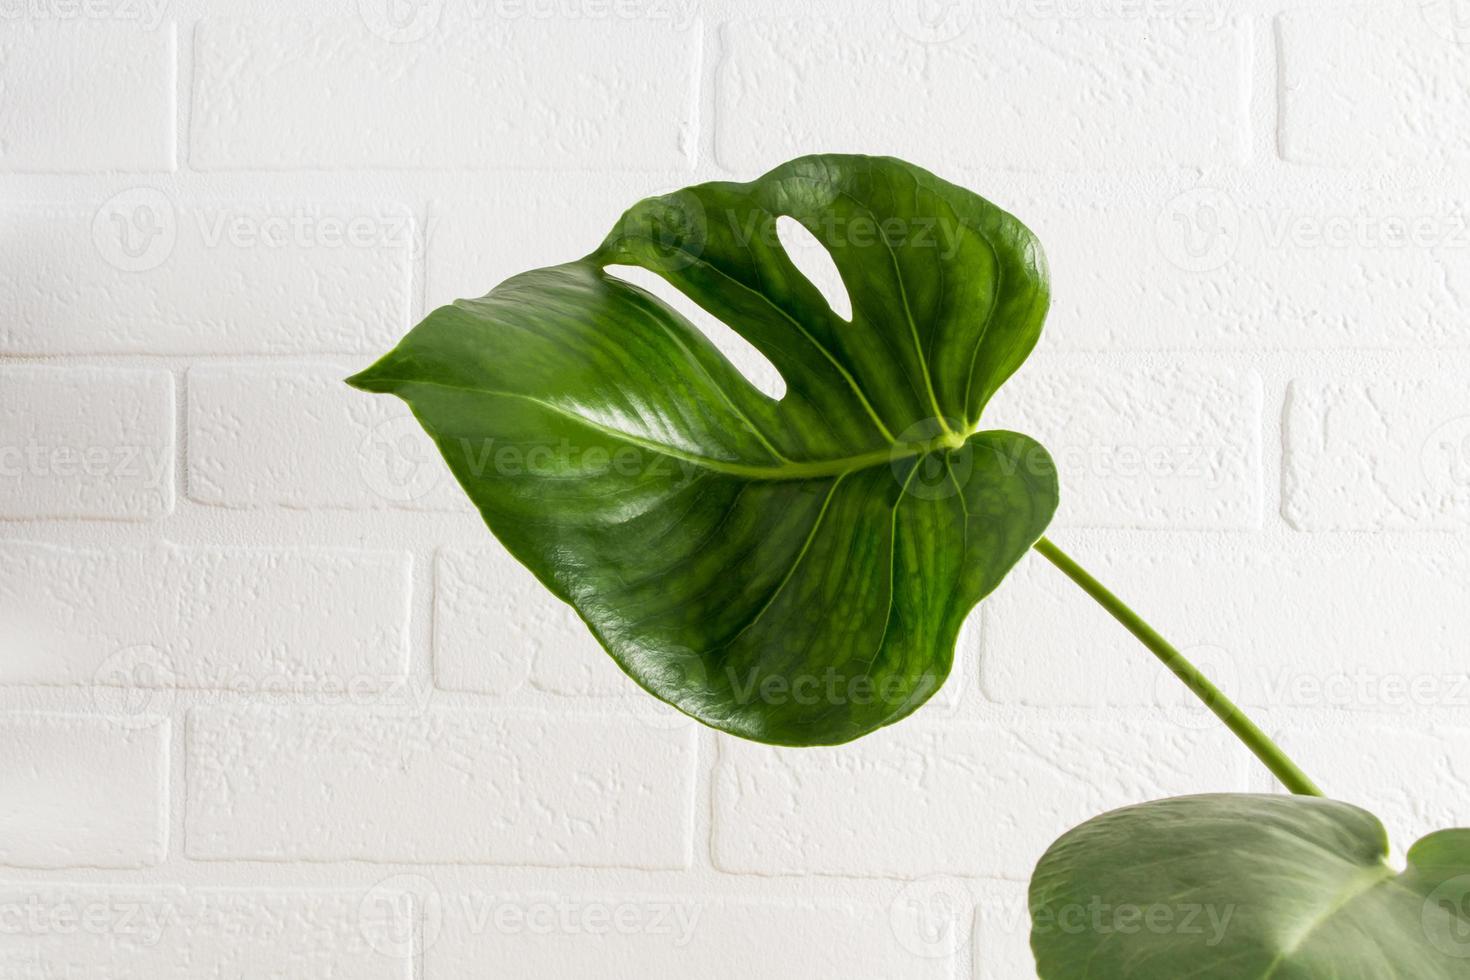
(1226, 710)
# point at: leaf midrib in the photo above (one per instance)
(1372, 877)
(908, 312)
(793, 470)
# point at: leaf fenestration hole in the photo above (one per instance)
(812, 260)
(755, 366)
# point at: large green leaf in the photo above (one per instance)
(791, 571)
(1243, 887)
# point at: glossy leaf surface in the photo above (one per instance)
(791, 571)
(1249, 887)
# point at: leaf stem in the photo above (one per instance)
(1226, 710)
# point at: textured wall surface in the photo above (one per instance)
(274, 704)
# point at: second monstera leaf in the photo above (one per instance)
(1249, 887)
(791, 571)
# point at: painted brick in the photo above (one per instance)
(1378, 454)
(581, 935)
(496, 628)
(285, 95)
(86, 97)
(439, 786)
(1378, 86)
(1120, 94)
(146, 932)
(82, 791)
(347, 449)
(554, 216)
(1416, 781)
(86, 442)
(149, 273)
(1002, 934)
(990, 800)
(254, 621)
(1370, 632)
(1293, 264)
(1168, 445)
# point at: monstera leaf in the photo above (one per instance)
(791, 571)
(1240, 887)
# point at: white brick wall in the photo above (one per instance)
(139, 932)
(86, 442)
(1259, 262)
(86, 97)
(345, 451)
(630, 96)
(444, 786)
(1164, 446)
(632, 935)
(1123, 93)
(149, 272)
(785, 811)
(1375, 86)
(228, 619)
(83, 791)
(1368, 453)
(1238, 614)
(272, 701)
(497, 630)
